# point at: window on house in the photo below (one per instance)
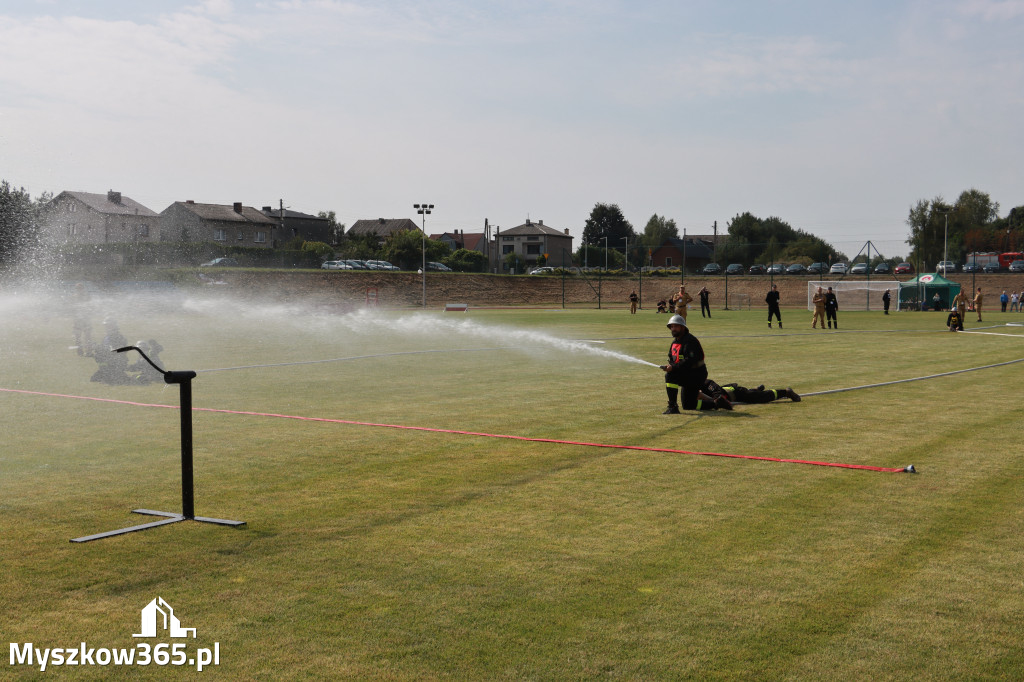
(534, 238)
(508, 239)
(220, 236)
(241, 236)
(533, 249)
(260, 237)
(72, 229)
(143, 230)
(508, 248)
(668, 262)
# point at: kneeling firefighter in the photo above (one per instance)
(686, 371)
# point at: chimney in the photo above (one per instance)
(190, 202)
(381, 221)
(238, 207)
(541, 223)
(267, 209)
(114, 197)
(567, 231)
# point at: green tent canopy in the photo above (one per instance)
(922, 290)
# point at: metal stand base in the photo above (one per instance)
(171, 517)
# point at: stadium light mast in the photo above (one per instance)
(945, 237)
(424, 211)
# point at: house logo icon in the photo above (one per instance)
(151, 620)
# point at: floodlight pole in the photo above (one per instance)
(424, 211)
(184, 380)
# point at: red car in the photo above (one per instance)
(904, 269)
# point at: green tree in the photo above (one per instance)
(322, 251)
(17, 221)
(464, 260)
(515, 263)
(337, 230)
(405, 249)
(606, 220)
(658, 229)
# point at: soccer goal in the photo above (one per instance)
(856, 295)
(738, 302)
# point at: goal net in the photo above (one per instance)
(738, 302)
(856, 295)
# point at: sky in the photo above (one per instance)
(836, 117)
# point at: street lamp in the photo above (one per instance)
(424, 210)
(606, 254)
(945, 236)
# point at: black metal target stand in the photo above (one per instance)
(184, 380)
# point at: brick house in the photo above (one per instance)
(531, 241)
(699, 252)
(188, 221)
(89, 218)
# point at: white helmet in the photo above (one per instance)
(676, 319)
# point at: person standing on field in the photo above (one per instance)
(831, 307)
(683, 299)
(886, 298)
(960, 301)
(1014, 302)
(633, 301)
(705, 295)
(772, 299)
(1003, 300)
(819, 309)
(977, 303)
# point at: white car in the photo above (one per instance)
(838, 268)
(335, 265)
(946, 266)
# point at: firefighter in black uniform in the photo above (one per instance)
(772, 299)
(686, 371)
(705, 303)
(741, 394)
(831, 306)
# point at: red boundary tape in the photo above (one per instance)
(863, 467)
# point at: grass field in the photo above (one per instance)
(379, 553)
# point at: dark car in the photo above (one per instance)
(777, 269)
(971, 267)
(734, 269)
(219, 262)
(796, 269)
(1017, 266)
(883, 269)
(904, 269)
(757, 270)
(991, 267)
(441, 267)
(817, 268)
(711, 269)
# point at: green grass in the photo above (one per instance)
(375, 553)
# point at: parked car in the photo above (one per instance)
(796, 269)
(1017, 266)
(539, 271)
(991, 267)
(777, 269)
(970, 267)
(335, 265)
(441, 267)
(904, 269)
(757, 269)
(945, 266)
(219, 263)
(883, 269)
(838, 268)
(817, 268)
(860, 269)
(381, 265)
(734, 269)
(711, 269)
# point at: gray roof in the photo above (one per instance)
(226, 213)
(272, 212)
(382, 227)
(530, 227)
(101, 203)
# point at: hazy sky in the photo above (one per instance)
(834, 116)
